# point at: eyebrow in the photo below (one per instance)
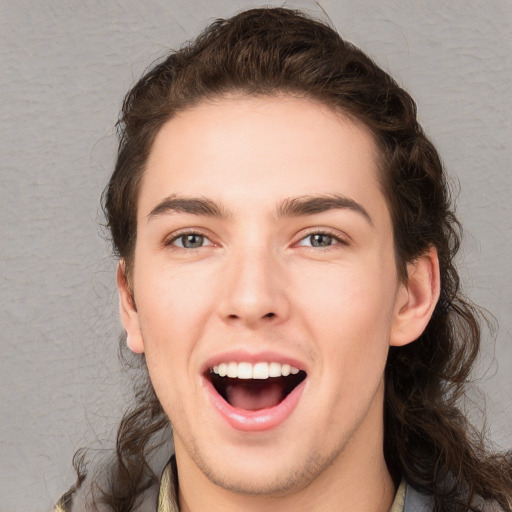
(290, 207)
(311, 205)
(192, 205)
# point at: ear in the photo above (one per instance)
(416, 299)
(128, 310)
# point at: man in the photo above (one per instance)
(286, 246)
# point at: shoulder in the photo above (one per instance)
(88, 497)
(65, 502)
(416, 501)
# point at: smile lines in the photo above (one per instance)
(253, 371)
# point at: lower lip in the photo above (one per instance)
(259, 420)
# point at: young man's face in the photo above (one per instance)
(265, 247)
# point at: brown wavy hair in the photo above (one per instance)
(428, 440)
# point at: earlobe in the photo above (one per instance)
(128, 311)
(416, 299)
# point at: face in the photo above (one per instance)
(266, 291)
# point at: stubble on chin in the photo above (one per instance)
(299, 476)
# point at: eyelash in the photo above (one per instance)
(336, 238)
(322, 232)
(170, 242)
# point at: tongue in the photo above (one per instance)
(253, 395)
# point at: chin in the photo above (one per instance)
(270, 482)
(257, 471)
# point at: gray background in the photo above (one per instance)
(65, 66)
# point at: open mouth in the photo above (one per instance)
(254, 387)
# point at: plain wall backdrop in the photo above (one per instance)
(64, 68)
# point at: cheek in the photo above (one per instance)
(350, 324)
(348, 315)
(347, 302)
(172, 321)
(173, 305)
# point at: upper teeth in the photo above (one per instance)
(254, 371)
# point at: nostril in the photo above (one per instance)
(234, 316)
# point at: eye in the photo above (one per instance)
(190, 241)
(319, 240)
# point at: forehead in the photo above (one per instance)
(254, 151)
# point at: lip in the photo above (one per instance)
(254, 421)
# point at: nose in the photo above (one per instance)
(254, 290)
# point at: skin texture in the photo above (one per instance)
(256, 283)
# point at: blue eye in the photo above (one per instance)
(318, 240)
(190, 241)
